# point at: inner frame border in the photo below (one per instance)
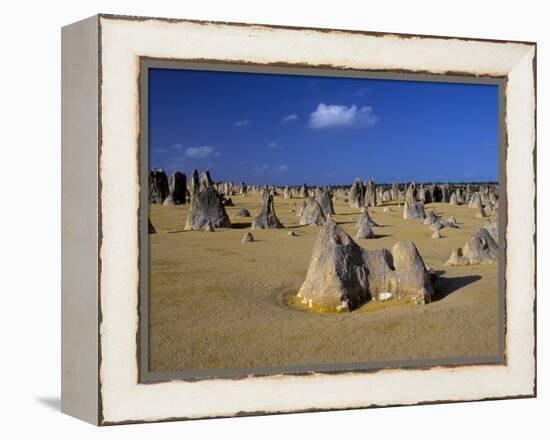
(142, 337)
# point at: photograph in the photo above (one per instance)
(316, 221)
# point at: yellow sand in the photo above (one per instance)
(217, 304)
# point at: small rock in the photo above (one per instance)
(242, 213)
(437, 226)
(384, 296)
(436, 234)
(342, 307)
(481, 249)
(292, 234)
(247, 238)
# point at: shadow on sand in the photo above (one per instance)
(243, 225)
(444, 286)
(376, 237)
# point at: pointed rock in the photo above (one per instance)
(194, 184)
(434, 221)
(356, 194)
(206, 181)
(394, 191)
(412, 208)
(312, 214)
(324, 198)
(436, 234)
(475, 201)
(413, 278)
(300, 211)
(287, 193)
(247, 238)
(370, 193)
(158, 186)
(206, 208)
(267, 219)
(336, 276)
(177, 185)
(364, 226)
(364, 231)
(481, 249)
(431, 218)
(453, 200)
(366, 218)
(444, 193)
(292, 234)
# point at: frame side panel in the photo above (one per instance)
(79, 220)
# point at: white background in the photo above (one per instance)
(30, 217)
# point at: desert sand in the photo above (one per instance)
(217, 303)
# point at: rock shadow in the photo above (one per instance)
(444, 286)
(293, 226)
(376, 236)
(243, 225)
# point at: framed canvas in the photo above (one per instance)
(264, 219)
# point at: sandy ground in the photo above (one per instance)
(217, 304)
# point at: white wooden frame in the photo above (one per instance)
(101, 193)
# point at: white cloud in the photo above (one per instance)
(289, 118)
(242, 123)
(274, 145)
(270, 169)
(262, 168)
(329, 115)
(169, 148)
(199, 152)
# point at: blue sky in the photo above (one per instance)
(287, 129)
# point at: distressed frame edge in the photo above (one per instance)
(102, 421)
(124, 17)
